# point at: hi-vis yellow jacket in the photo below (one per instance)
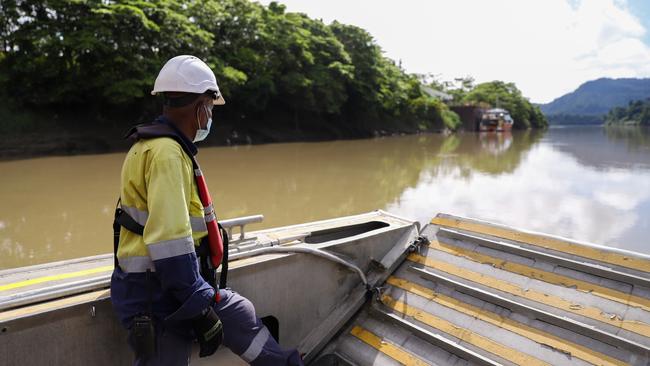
(158, 191)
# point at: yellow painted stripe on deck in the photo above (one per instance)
(57, 277)
(550, 277)
(534, 334)
(40, 308)
(389, 349)
(530, 294)
(546, 242)
(466, 335)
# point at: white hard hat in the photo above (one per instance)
(187, 74)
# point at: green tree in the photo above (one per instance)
(284, 75)
(637, 112)
(94, 53)
(507, 96)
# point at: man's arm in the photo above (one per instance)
(168, 236)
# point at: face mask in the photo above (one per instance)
(201, 134)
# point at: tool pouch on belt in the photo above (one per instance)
(142, 337)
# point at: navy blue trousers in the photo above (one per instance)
(244, 334)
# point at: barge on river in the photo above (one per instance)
(495, 120)
(373, 289)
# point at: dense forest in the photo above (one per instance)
(81, 68)
(575, 119)
(635, 113)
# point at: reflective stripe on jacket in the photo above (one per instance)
(159, 192)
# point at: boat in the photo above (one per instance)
(372, 289)
(495, 120)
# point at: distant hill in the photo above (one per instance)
(593, 99)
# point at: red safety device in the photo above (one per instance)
(214, 235)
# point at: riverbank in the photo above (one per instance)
(67, 141)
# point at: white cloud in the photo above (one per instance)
(549, 192)
(547, 47)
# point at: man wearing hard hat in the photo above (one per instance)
(162, 220)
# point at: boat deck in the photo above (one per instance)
(486, 294)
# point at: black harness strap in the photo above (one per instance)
(223, 277)
(116, 240)
(128, 222)
(125, 220)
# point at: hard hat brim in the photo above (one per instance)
(218, 101)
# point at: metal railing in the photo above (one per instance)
(240, 222)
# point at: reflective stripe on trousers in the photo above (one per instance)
(247, 337)
(257, 344)
(244, 333)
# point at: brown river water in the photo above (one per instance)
(587, 183)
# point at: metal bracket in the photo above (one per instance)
(240, 222)
(376, 293)
(417, 244)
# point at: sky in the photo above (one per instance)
(547, 47)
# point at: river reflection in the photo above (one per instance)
(588, 184)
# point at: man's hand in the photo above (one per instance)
(209, 331)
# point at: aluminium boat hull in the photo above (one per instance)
(459, 291)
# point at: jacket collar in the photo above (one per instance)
(188, 143)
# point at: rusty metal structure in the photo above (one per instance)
(470, 116)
